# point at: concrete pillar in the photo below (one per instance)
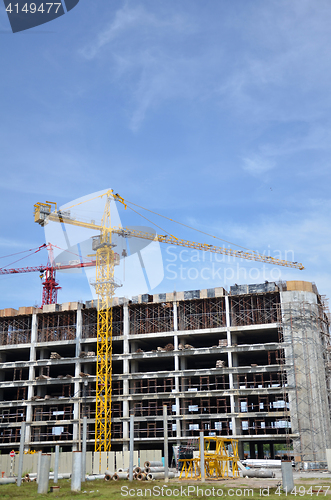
(77, 389)
(76, 477)
(38, 466)
(241, 450)
(260, 453)
(45, 462)
(84, 444)
(131, 447)
(272, 450)
(56, 464)
(44, 353)
(175, 316)
(126, 370)
(178, 422)
(287, 477)
(34, 334)
(21, 455)
(166, 450)
(251, 450)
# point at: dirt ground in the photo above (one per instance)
(311, 478)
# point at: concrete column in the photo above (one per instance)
(38, 466)
(76, 477)
(178, 422)
(176, 357)
(177, 383)
(76, 425)
(260, 453)
(176, 336)
(84, 444)
(230, 360)
(21, 455)
(44, 353)
(34, 334)
(165, 434)
(175, 316)
(227, 319)
(45, 462)
(287, 477)
(241, 450)
(56, 464)
(126, 371)
(251, 450)
(79, 329)
(272, 450)
(131, 447)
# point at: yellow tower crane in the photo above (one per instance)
(105, 286)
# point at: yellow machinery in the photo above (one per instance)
(105, 288)
(220, 457)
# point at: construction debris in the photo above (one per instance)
(168, 347)
(55, 355)
(87, 354)
(220, 363)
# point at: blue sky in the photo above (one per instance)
(214, 113)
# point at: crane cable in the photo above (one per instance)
(177, 222)
(151, 222)
(36, 251)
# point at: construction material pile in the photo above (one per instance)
(55, 355)
(88, 354)
(168, 347)
(151, 470)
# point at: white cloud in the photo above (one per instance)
(276, 62)
(258, 165)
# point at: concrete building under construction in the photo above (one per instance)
(252, 363)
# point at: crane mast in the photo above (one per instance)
(105, 287)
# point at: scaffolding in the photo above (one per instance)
(151, 318)
(305, 334)
(60, 326)
(254, 309)
(15, 330)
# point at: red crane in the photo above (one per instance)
(50, 285)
